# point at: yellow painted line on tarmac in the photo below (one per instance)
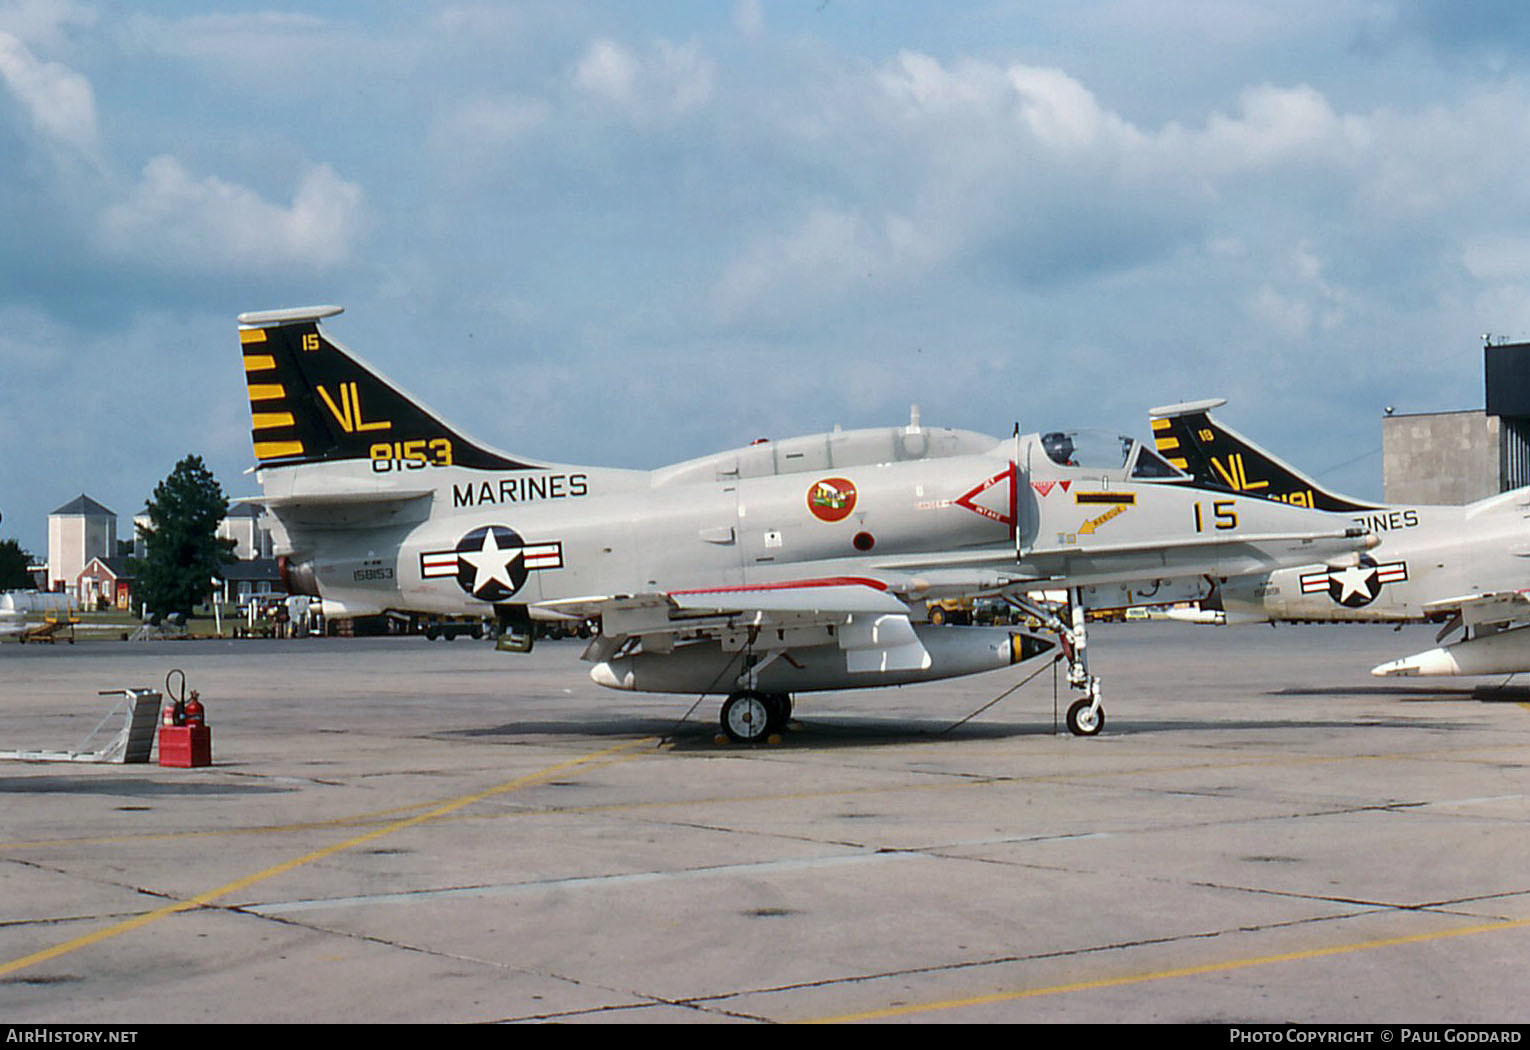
(612, 754)
(354, 821)
(1167, 975)
(957, 783)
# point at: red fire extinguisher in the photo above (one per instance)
(195, 714)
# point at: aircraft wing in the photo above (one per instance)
(1089, 561)
(835, 596)
(1494, 609)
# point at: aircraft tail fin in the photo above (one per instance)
(1188, 437)
(313, 401)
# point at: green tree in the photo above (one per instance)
(13, 567)
(182, 552)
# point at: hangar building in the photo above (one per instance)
(1459, 457)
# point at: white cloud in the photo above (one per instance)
(1277, 125)
(1061, 113)
(476, 21)
(181, 222)
(749, 17)
(1033, 107)
(1025, 172)
(1498, 258)
(41, 23)
(824, 255)
(284, 57)
(485, 126)
(609, 70)
(31, 342)
(264, 47)
(1310, 301)
(58, 99)
(923, 86)
(972, 150)
(668, 81)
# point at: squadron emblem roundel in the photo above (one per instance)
(831, 499)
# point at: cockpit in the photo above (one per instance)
(1098, 451)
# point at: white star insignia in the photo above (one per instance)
(1356, 580)
(491, 564)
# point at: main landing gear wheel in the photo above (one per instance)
(1084, 719)
(779, 708)
(747, 717)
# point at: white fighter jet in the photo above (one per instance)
(754, 574)
(1466, 566)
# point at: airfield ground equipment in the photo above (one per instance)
(133, 741)
(185, 739)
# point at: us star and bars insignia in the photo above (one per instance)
(1358, 585)
(492, 562)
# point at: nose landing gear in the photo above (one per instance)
(1086, 716)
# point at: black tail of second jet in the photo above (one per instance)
(1189, 438)
(313, 402)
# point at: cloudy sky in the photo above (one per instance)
(634, 233)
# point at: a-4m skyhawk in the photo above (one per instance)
(784, 567)
(1464, 566)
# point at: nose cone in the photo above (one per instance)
(613, 674)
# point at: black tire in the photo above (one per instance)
(779, 711)
(746, 717)
(1084, 719)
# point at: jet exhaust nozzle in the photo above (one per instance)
(298, 577)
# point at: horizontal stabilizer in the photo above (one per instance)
(334, 499)
(346, 510)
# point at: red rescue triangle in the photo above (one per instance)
(1000, 506)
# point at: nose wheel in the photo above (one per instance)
(1085, 718)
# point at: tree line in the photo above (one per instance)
(182, 551)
